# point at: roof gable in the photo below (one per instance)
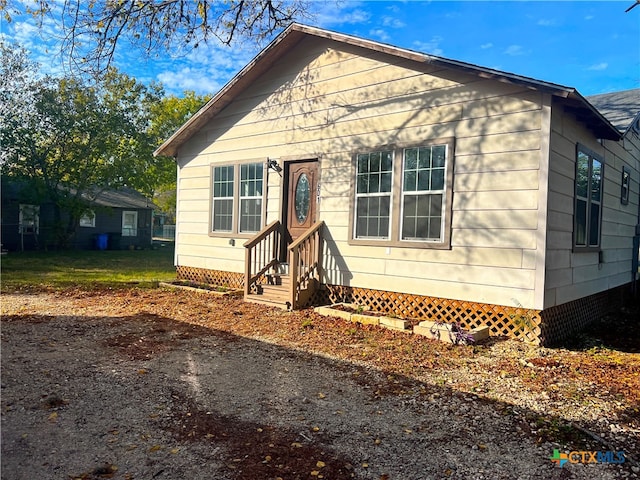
(287, 40)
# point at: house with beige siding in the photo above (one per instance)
(333, 168)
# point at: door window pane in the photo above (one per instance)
(302, 199)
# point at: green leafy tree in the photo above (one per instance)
(72, 140)
(169, 114)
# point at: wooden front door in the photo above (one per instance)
(302, 196)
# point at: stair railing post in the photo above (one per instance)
(319, 246)
(293, 275)
(247, 271)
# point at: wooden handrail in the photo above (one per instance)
(261, 254)
(314, 228)
(261, 234)
(304, 265)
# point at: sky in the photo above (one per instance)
(592, 46)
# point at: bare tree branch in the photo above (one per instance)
(93, 31)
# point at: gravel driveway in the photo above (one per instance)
(90, 393)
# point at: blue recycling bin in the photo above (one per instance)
(101, 241)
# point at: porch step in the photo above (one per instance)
(274, 293)
(278, 279)
(265, 301)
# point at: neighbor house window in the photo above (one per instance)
(374, 172)
(130, 223)
(29, 221)
(403, 195)
(588, 200)
(237, 203)
(88, 219)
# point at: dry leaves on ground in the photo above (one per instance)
(583, 396)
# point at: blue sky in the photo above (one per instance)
(593, 46)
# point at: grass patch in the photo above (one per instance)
(37, 271)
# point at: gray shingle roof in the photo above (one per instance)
(620, 108)
(123, 198)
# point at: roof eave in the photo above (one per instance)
(591, 116)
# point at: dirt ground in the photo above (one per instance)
(164, 384)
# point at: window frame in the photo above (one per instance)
(28, 219)
(126, 232)
(222, 198)
(625, 185)
(398, 195)
(374, 195)
(581, 149)
(87, 215)
(236, 230)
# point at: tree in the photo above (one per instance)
(73, 140)
(166, 117)
(92, 30)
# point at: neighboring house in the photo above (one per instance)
(117, 219)
(333, 168)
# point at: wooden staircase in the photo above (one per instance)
(276, 292)
(271, 282)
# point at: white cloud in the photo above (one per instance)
(392, 22)
(599, 66)
(432, 46)
(42, 42)
(484, 46)
(204, 69)
(380, 33)
(547, 22)
(329, 14)
(514, 50)
(187, 78)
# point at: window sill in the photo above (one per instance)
(400, 244)
(586, 249)
(231, 235)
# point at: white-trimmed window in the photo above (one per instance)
(130, 223)
(222, 207)
(374, 180)
(251, 197)
(237, 198)
(29, 221)
(403, 195)
(88, 219)
(588, 200)
(423, 193)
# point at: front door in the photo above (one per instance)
(302, 194)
